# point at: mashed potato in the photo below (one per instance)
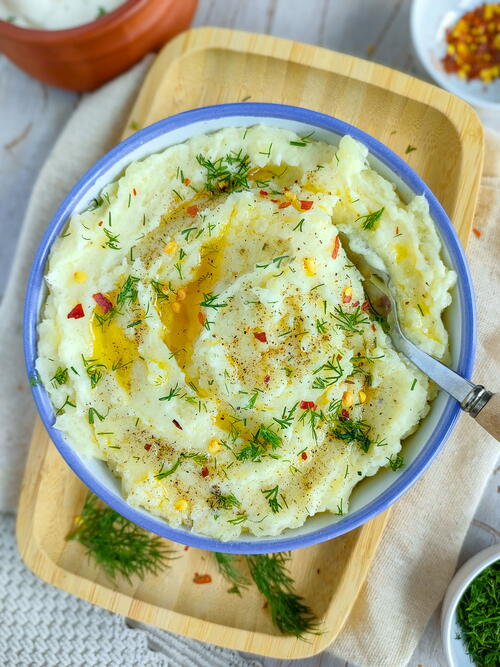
(206, 335)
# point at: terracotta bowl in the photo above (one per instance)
(87, 56)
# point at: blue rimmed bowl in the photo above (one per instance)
(373, 495)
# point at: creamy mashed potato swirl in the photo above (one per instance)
(206, 335)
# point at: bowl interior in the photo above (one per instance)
(374, 494)
(454, 645)
(430, 20)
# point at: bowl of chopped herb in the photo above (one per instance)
(470, 619)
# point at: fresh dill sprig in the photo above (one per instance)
(336, 370)
(370, 219)
(350, 322)
(226, 174)
(288, 611)
(313, 418)
(112, 239)
(198, 458)
(172, 393)
(159, 290)
(286, 419)
(116, 544)
(93, 370)
(262, 440)
(227, 567)
(271, 495)
(128, 291)
(306, 139)
(353, 431)
(209, 301)
(224, 502)
(396, 462)
(60, 377)
(276, 260)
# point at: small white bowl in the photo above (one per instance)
(428, 23)
(454, 648)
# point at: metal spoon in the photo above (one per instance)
(480, 403)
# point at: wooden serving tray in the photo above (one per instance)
(209, 66)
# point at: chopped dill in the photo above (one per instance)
(478, 615)
(353, 431)
(271, 495)
(410, 149)
(333, 365)
(60, 410)
(112, 239)
(276, 260)
(226, 174)
(306, 139)
(286, 419)
(413, 384)
(93, 370)
(173, 392)
(224, 502)
(159, 290)
(60, 377)
(93, 413)
(396, 462)
(350, 322)
(369, 220)
(209, 301)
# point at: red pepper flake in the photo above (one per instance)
(476, 232)
(365, 306)
(204, 472)
(186, 547)
(336, 246)
(134, 192)
(76, 313)
(202, 578)
(147, 447)
(103, 302)
(347, 298)
(374, 328)
(275, 201)
(355, 304)
(260, 335)
(267, 378)
(176, 423)
(100, 223)
(303, 456)
(186, 181)
(201, 318)
(306, 204)
(263, 193)
(285, 204)
(345, 413)
(192, 210)
(304, 405)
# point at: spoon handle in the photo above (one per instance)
(489, 416)
(474, 399)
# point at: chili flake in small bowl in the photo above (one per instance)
(473, 50)
(458, 43)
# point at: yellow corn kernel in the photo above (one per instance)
(348, 291)
(181, 505)
(310, 266)
(80, 276)
(176, 307)
(214, 446)
(181, 294)
(170, 247)
(362, 396)
(291, 196)
(347, 399)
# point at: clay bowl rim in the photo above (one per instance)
(99, 25)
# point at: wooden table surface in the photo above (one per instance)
(32, 115)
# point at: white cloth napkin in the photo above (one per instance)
(421, 544)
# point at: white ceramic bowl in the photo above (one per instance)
(454, 647)
(373, 495)
(429, 22)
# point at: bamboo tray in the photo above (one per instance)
(209, 66)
